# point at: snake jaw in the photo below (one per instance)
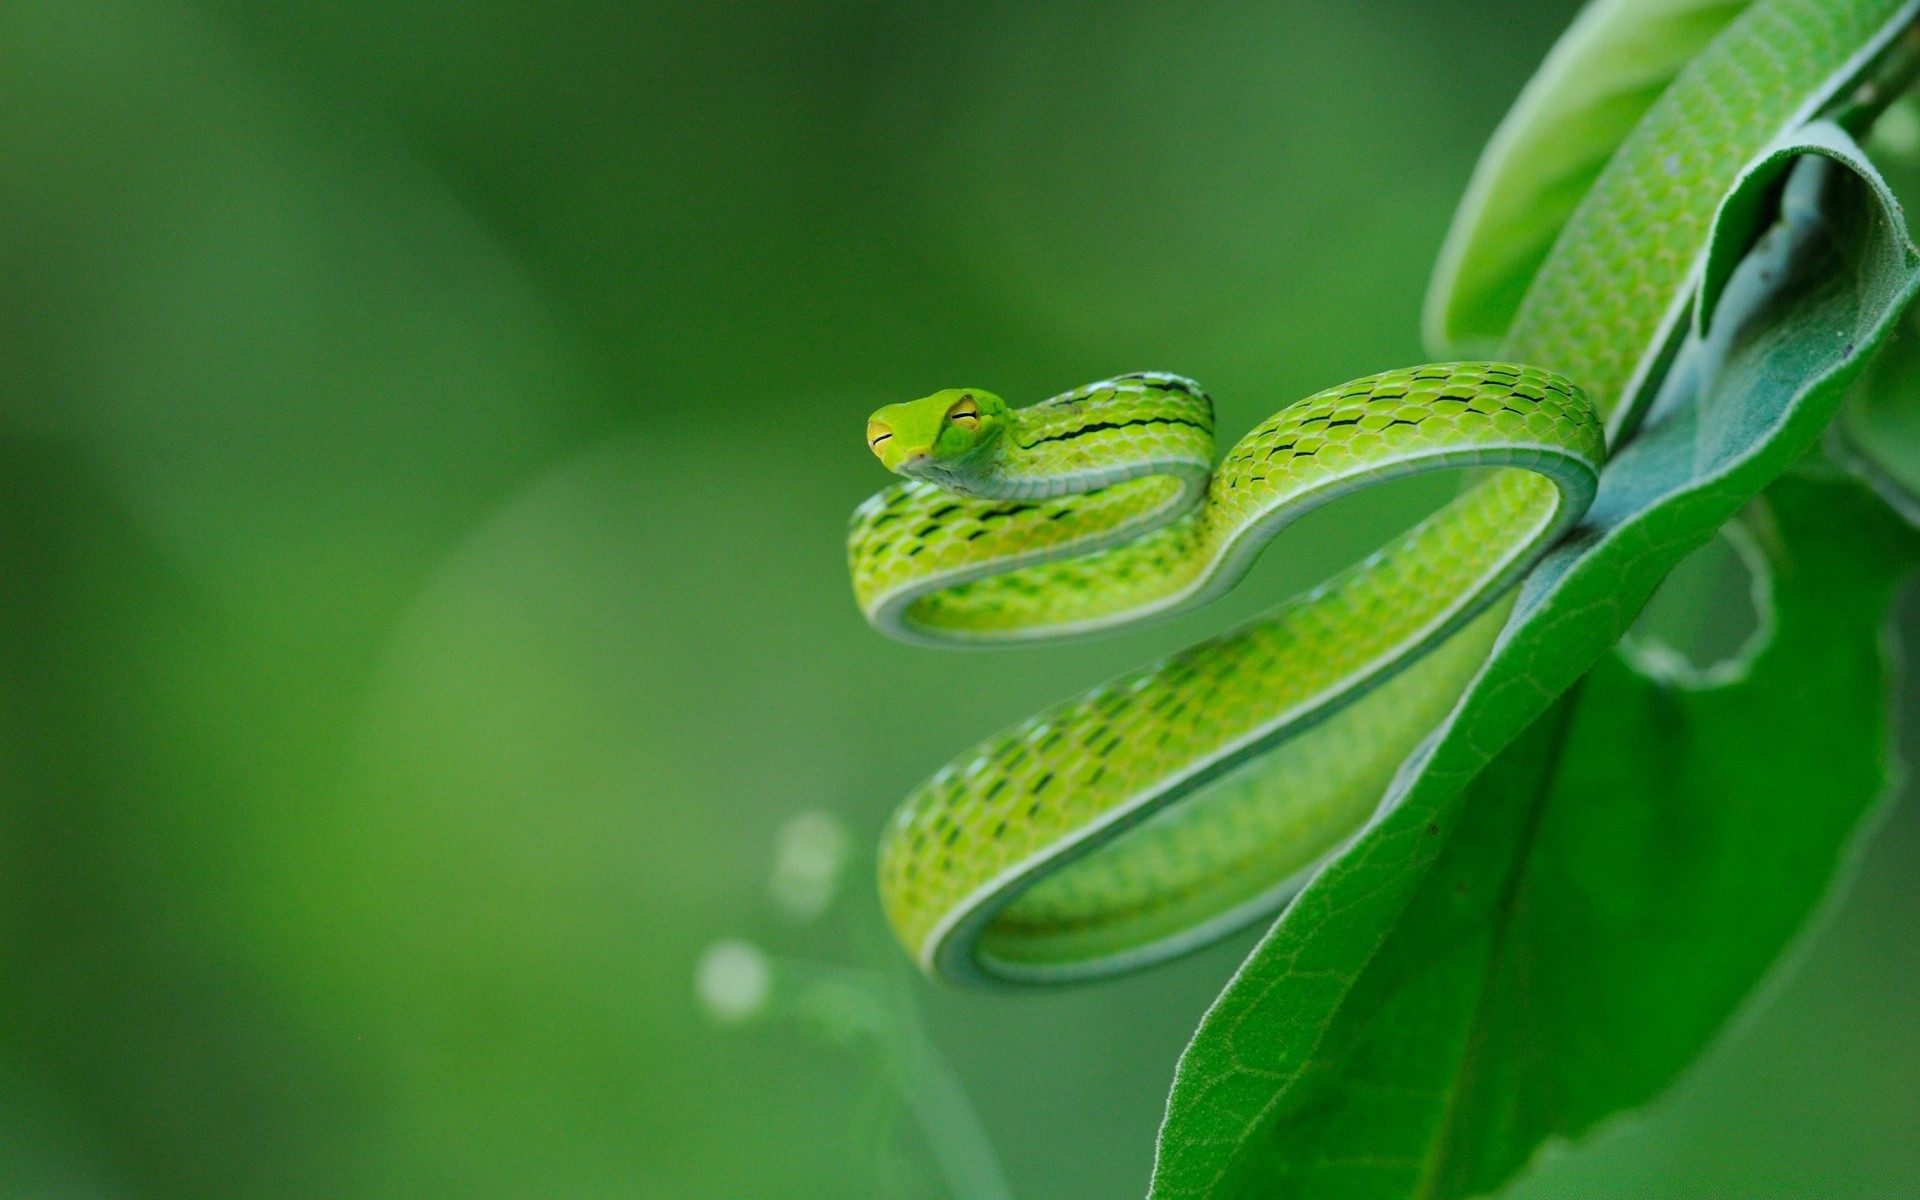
(957, 473)
(947, 474)
(916, 465)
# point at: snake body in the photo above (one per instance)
(1167, 807)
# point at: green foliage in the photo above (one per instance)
(1878, 432)
(1381, 1040)
(1621, 875)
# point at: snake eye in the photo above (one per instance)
(877, 434)
(965, 413)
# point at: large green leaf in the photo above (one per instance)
(1620, 878)
(1878, 433)
(1599, 80)
(1342, 1058)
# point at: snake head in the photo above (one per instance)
(937, 437)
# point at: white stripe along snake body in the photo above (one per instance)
(1171, 805)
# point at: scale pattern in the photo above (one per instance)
(909, 543)
(1132, 744)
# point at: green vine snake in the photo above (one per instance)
(1174, 804)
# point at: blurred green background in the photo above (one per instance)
(426, 437)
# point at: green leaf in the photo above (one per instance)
(1594, 86)
(1878, 432)
(1341, 1060)
(1620, 878)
